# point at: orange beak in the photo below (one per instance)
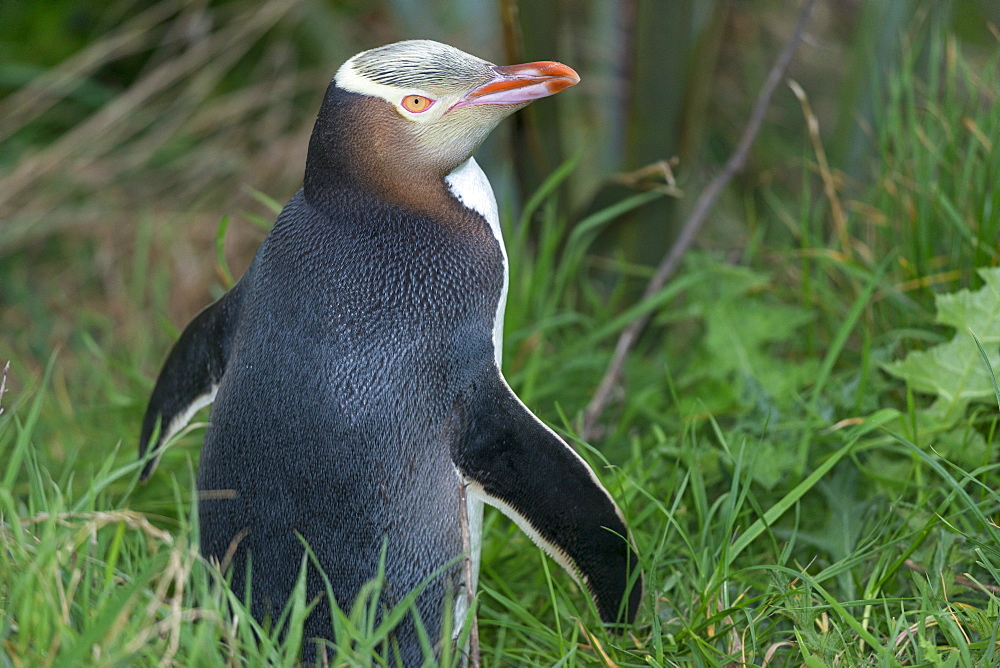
(519, 84)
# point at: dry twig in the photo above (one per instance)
(470, 594)
(961, 580)
(826, 174)
(693, 224)
(3, 383)
(92, 521)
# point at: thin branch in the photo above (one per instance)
(470, 594)
(3, 383)
(668, 266)
(961, 580)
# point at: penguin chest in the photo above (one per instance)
(468, 183)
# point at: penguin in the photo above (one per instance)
(354, 370)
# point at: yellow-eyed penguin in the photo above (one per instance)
(355, 367)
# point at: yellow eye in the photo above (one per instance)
(417, 103)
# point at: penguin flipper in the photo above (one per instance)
(519, 465)
(190, 376)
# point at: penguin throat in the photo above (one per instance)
(361, 145)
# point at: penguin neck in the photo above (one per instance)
(360, 147)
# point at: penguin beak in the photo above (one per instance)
(520, 84)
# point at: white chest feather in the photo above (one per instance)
(469, 184)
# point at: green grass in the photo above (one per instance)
(794, 503)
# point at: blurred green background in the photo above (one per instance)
(121, 114)
(799, 369)
(130, 129)
(169, 112)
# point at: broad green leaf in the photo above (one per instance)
(746, 330)
(955, 370)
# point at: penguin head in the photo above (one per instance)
(418, 109)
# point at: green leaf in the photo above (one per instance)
(955, 370)
(746, 335)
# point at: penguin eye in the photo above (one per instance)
(417, 103)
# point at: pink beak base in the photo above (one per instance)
(518, 84)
